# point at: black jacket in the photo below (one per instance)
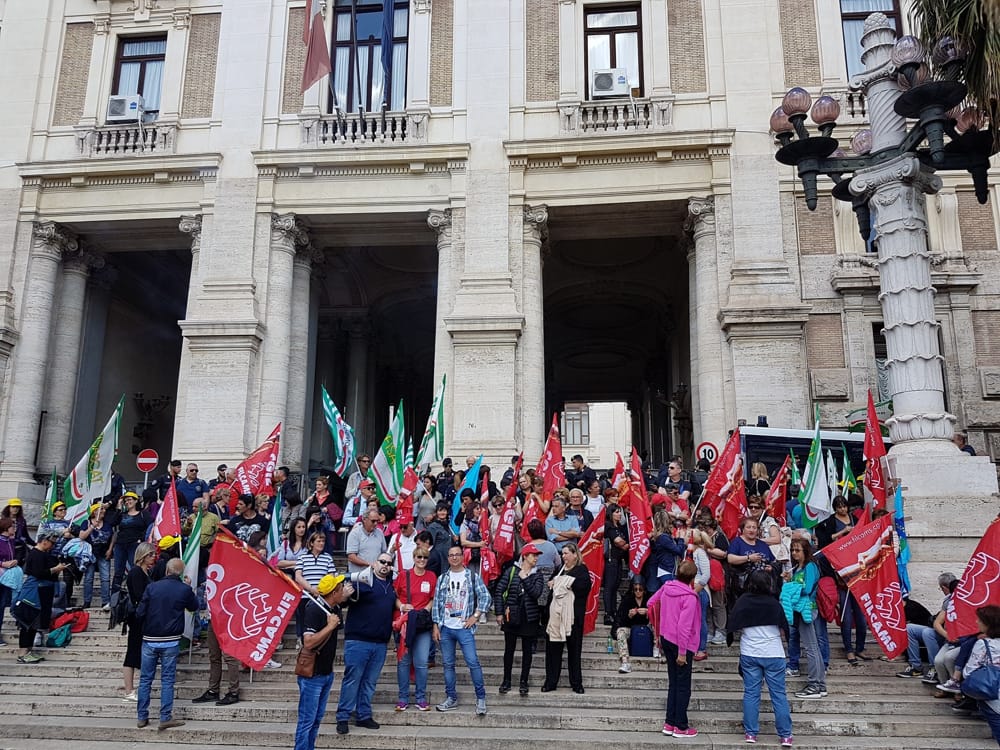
(162, 609)
(520, 596)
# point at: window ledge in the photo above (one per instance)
(126, 139)
(614, 115)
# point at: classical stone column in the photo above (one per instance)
(444, 358)
(709, 382)
(287, 236)
(293, 435)
(532, 344)
(687, 247)
(31, 355)
(358, 333)
(67, 338)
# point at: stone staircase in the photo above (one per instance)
(75, 696)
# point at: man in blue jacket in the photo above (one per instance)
(366, 633)
(162, 614)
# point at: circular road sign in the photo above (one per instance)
(147, 460)
(707, 450)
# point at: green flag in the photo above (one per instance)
(815, 495)
(90, 480)
(51, 496)
(388, 466)
(847, 481)
(432, 444)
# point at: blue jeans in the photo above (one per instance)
(822, 635)
(917, 634)
(755, 671)
(417, 656)
(313, 694)
(167, 659)
(706, 602)
(466, 639)
(103, 566)
(853, 618)
(992, 718)
(362, 664)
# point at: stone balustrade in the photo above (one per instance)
(127, 140)
(371, 128)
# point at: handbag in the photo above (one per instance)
(422, 620)
(984, 683)
(305, 659)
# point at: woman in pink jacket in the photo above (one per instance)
(677, 611)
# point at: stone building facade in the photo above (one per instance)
(495, 222)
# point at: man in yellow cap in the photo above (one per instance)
(322, 621)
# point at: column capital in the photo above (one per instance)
(309, 256)
(54, 240)
(288, 232)
(191, 224)
(903, 170)
(83, 261)
(701, 216)
(440, 222)
(421, 6)
(536, 221)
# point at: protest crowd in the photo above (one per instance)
(673, 562)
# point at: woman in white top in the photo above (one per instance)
(987, 651)
(698, 545)
(762, 657)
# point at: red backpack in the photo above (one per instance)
(717, 582)
(828, 599)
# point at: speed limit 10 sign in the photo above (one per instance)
(707, 451)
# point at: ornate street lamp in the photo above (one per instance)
(918, 126)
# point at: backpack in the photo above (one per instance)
(60, 637)
(717, 581)
(77, 620)
(828, 599)
(122, 609)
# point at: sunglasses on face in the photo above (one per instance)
(420, 557)
(385, 562)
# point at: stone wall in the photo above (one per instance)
(815, 228)
(686, 33)
(979, 232)
(442, 42)
(799, 42)
(202, 59)
(295, 63)
(542, 50)
(74, 70)
(825, 341)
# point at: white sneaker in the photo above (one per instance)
(133, 696)
(272, 664)
(625, 668)
(38, 640)
(656, 652)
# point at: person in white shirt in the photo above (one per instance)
(987, 651)
(594, 499)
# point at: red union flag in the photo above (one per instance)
(503, 542)
(550, 465)
(640, 521)
(250, 602)
(865, 560)
(592, 552)
(978, 586)
(726, 480)
(777, 496)
(874, 453)
(168, 517)
(253, 475)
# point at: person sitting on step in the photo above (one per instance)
(632, 613)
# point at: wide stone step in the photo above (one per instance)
(472, 734)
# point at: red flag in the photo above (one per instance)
(503, 542)
(404, 503)
(865, 560)
(592, 551)
(726, 477)
(777, 496)
(317, 53)
(484, 489)
(253, 475)
(168, 517)
(619, 476)
(550, 465)
(874, 452)
(531, 511)
(251, 603)
(734, 509)
(978, 586)
(640, 521)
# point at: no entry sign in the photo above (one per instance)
(147, 460)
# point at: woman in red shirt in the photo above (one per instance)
(414, 599)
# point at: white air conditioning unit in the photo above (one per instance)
(609, 82)
(126, 108)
